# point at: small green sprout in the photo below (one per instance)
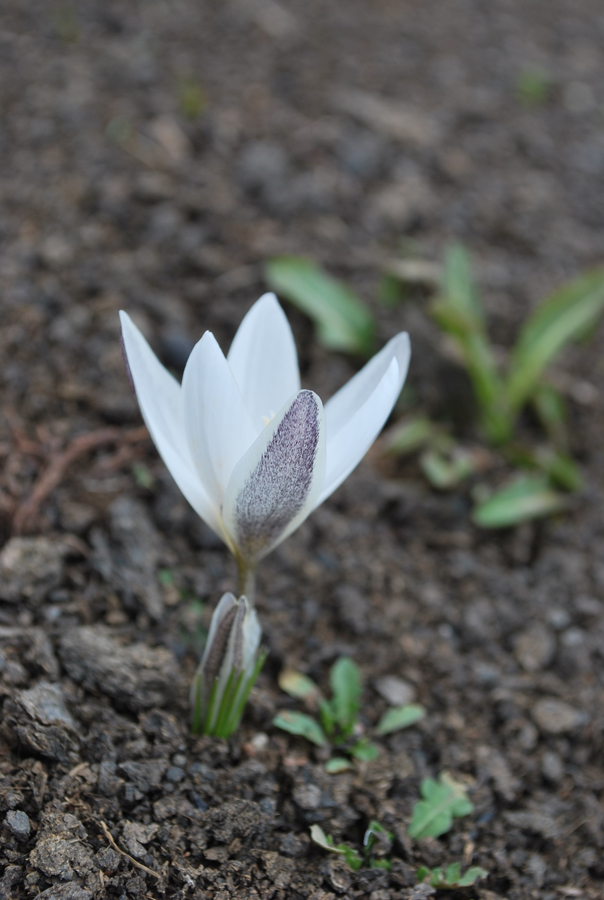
(338, 724)
(228, 670)
(443, 801)
(143, 476)
(533, 86)
(450, 878)
(191, 98)
(376, 840)
(342, 320)
(66, 23)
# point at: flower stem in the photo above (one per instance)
(246, 580)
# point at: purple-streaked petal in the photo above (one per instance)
(263, 360)
(358, 412)
(161, 402)
(276, 484)
(218, 427)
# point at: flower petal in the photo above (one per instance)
(357, 413)
(217, 424)
(263, 360)
(276, 484)
(161, 402)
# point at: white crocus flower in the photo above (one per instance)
(228, 669)
(252, 452)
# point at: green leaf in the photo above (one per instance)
(327, 715)
(298, 685)
(351, 856)
(445, 471)
(323, 840)
(533, 86)
(409, 436)
(380, 864)
(326, 842)
(444, 800)
(301, 724)
(337, 764)
(345, 681)
(526, 497)
(563, 471)
(459, 287)
(143, 477)
(375, 834)
(399, 717)
(365, 750)
(391, 291)
(343, 322)
(550, 408)
(459, 314)
(566, 316)
(452, 877)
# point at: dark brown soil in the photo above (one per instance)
(111, 198)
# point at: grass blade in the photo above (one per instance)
(345, 681)
(343, 322)
(459, 314)
(566, 316)
(526, 497)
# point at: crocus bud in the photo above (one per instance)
(230, 664)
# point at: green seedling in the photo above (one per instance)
(66, 23)
(342, 320)
(569, 315)
(443, 801)
(444, 463)
(191, 98)
(377, 840)
(533, 86)
(143, 476)
(337, 723)
(450, 878)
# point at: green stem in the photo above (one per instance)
(246, 580)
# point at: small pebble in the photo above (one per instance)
(18, 822)
(175, 774)
(553, 716)
(552, 767)
(395, 691)
(534, 648)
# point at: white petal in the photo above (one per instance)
(251, 638)
(263, 360)
(161, 402)
(357, 413)
(276, 484)
(227, 602)
(217, 424)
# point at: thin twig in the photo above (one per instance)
(134, 862)
(59, 465)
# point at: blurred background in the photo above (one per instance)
(154, 154)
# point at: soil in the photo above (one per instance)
(343, 131)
